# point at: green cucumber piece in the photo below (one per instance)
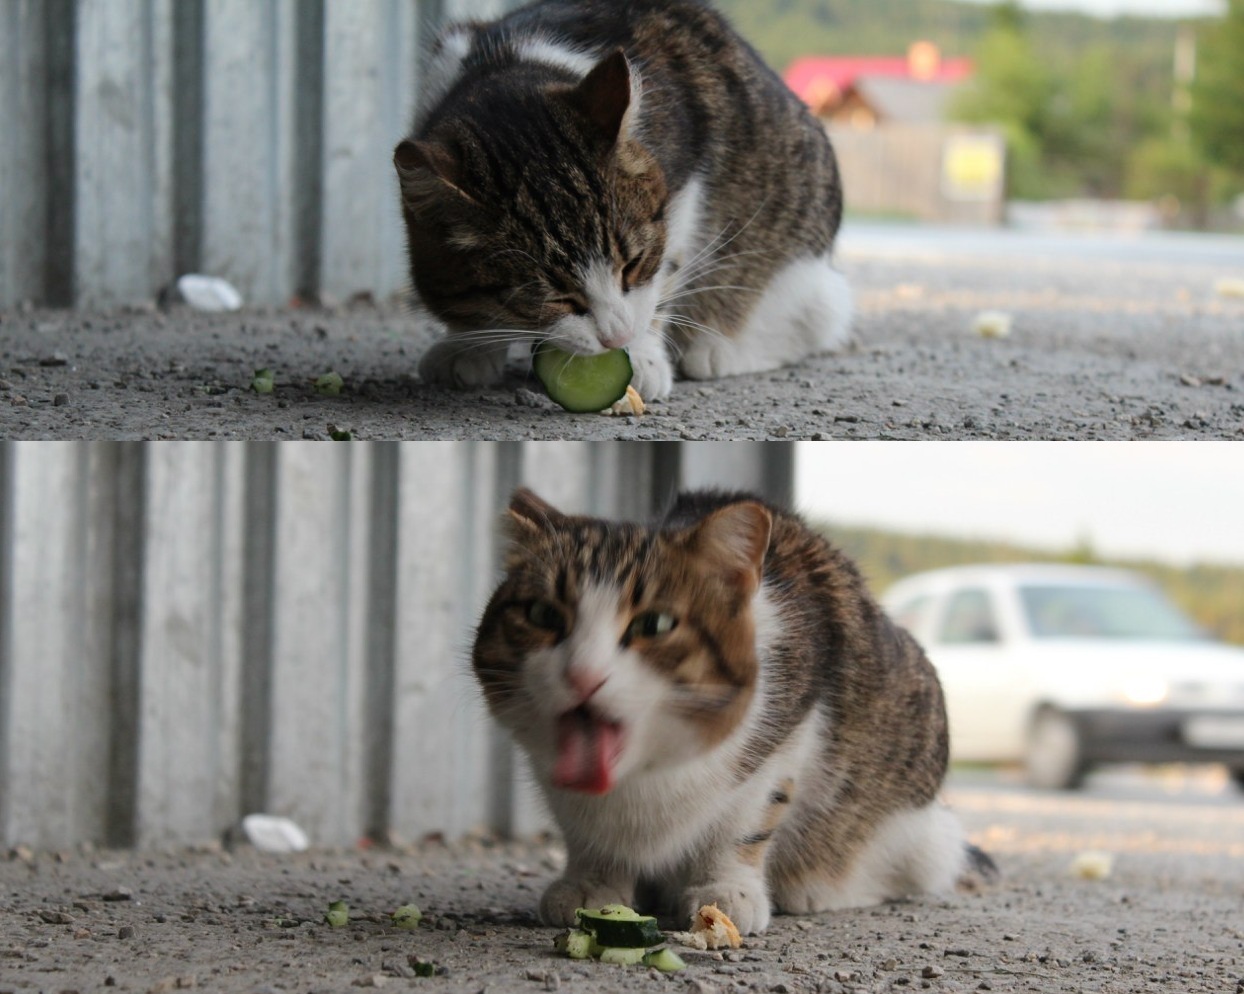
(620, 926)
(665, 960)
(576, 943)
(408, 917)
(622, 955)
(338, 914)
(583, 383)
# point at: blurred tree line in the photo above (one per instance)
(1113, 121)
(1091, 107)
(1213, 595)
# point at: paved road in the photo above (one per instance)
(1112, 339)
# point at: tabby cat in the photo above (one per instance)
(717, 711)
(605, 174)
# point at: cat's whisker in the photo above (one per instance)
(694, 291)
(681, 321)
(712, 263)
(716, 243)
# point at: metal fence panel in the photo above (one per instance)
(249, 139)
(190, 632)
(190, 653)
(23, 167)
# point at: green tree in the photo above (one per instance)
(1217, 118)
(1013, 89)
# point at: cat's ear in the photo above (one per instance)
(735, 539)
(417, 163)
(529, 514)
(605, 96)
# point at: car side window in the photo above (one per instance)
(910, 614)
(968, 619)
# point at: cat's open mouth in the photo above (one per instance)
(588, 748)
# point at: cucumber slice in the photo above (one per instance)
(338, 914)
(622, 955)
(408, 917)
(665, 960)
(619, 926)
(583, 383)
(576, 943)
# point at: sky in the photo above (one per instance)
(1110, 8)
(1177, 502)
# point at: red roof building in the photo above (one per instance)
(827, 83)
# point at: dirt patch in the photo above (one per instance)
(1098, 350)
(1167, 918)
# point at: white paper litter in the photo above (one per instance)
(209, 293)
(271, 833)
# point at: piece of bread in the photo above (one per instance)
(715, 925)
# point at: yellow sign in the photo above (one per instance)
(972, 167)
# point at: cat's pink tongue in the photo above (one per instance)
(587, 750)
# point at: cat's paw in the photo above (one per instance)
(566, 896)
(450, 363)
(653, 371)
(712, 357)
(745, 900)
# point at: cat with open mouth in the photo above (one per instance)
(717, 711)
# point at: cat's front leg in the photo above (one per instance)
(654, 373)
(460, 363)
(584, 887)
(740, 891)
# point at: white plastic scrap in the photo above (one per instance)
(1230, 287)
(1092, 865)
(271, 833)
(209, 293)
(993, 324)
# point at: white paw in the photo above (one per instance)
(453, 364)
(654, 373)
(565, 896)
(744, 899)
(709, 358)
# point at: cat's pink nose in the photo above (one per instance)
(616, 341)
(584, 683)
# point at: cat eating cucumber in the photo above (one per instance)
(582, 383)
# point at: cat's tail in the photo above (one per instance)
(840, 309)
(979, 870)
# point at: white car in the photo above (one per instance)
(1066, 667)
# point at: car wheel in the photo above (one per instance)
(1238, 776)
(1055, 759)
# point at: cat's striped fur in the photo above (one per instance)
(717, 711)
(605, 174)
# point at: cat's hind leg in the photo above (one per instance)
(805, 309)
(459, 361)
(918, 851)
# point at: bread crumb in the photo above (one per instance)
(715, 925)
(630, 403)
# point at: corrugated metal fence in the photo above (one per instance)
(193, 631)
(249, 139)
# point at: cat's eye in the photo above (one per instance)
(630, 272)
(650, 625)
(544, 615)
(568, 305)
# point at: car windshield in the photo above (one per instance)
(1103, 612)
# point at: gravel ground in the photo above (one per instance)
(1166, 919)
(1105, 346)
